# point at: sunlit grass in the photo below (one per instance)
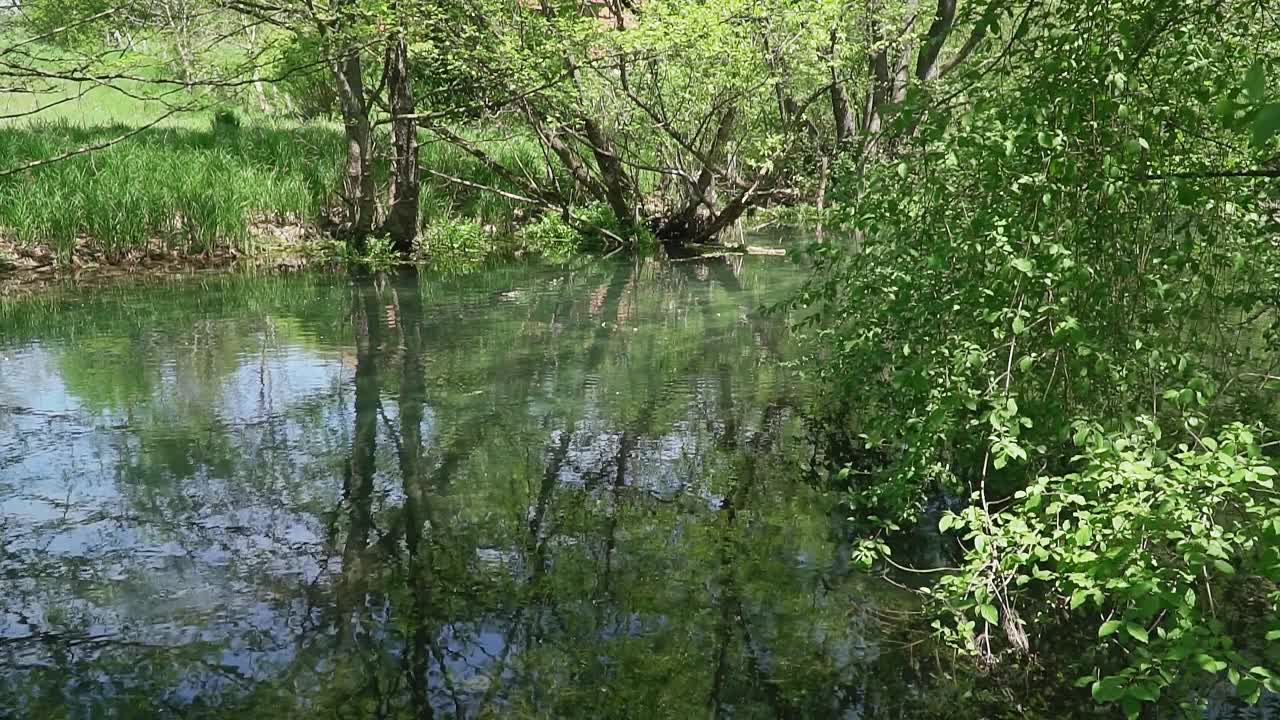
(188, 187)
(89, 104)
(192, 188)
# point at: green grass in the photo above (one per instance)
(443, 200)
(194, 189)
(85, 104)
(191, 188)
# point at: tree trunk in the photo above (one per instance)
(550, 138)
(880, 92)
(401, 223)
(935, 39)
(251, 32)
(842, 110)
(701, 195)
(617, 189)
(358, 190)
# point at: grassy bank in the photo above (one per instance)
(197, 188)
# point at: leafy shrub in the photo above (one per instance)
(593, 225)
(379, 254)
(452, 242)
(305, 82)
(550, 236)
(225, 120)
(1033, 259)
(598, 224)
(1132, 545)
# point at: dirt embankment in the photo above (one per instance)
(29, 268)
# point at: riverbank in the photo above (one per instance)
(29, 268)
(212, 190)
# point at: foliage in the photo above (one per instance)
(549, 235)
(225, 120)
(452, 242)
(306, 87)
(1252, 109)
(45, 17)
(1068, 233)
(1137, 546)
(378, 255)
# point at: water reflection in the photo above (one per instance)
(526, 493)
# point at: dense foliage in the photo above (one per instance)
(1059, 307)
(1047, 322)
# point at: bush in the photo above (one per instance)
(379, 254)
(451, 242)
(1127, 550)
(309, 91)
(550, 236)
(225, 120)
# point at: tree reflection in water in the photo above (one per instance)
(521, 493)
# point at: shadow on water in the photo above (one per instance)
(524, 493)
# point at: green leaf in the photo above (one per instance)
(1255, 81)
(1209, 664)
(989, 613)
(1136, 631)
(1081, 436)
(1078, 597)
(1249, 690)
(1224, 567)
(1023, 264)
(1109, 627)
(1108, 689)
(1145, 691)
(1266, 124)
(1273, 635)
(946, 522)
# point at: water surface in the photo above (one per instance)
(525, 492)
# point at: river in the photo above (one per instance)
(526, 491)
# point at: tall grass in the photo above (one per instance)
(443, 200)
(191, 190)
(194, 188)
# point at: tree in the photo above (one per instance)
(681, 118)
(1063, 272)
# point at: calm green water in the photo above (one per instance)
(526, 492)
